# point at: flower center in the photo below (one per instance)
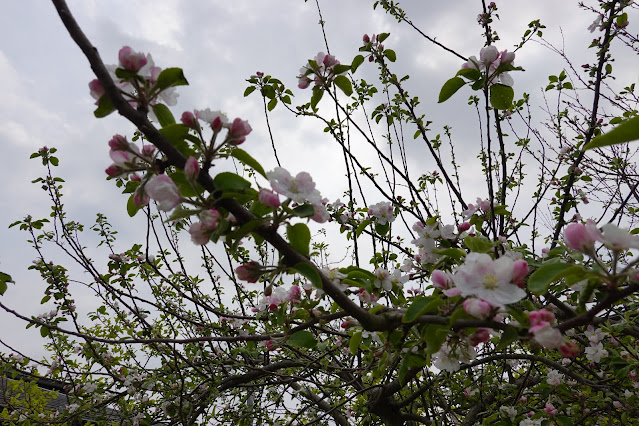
(490, 281)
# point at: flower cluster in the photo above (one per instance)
(136, 76)
(383, 212)
(322, 67)
(300, 189)
(427, 236)
(489, 61)
(582, 238)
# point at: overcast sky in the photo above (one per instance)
(219, 44)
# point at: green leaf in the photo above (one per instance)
(227, 181)
(478, 244)
(546, 274)
(272, 104)
(421, 306)
(170, 77)
(434, 335)
(180, 213)
(316, 97)
(44, 331)
(105, 107)
(381, 37)
(305, 210)
(163, 113)
(449, 88)
(469, 73)
(511, 334)
(246, 159)
(4, 279)
(363, 224)
(357, 61)
(249, 90)
(390, 54)
(341, 69)
(310, 273)
(382, 229)
(564, 421)
(303, 338)
(131, 208)
(176, 134)
(501, 96)
(299, 237)
(344, 84)
(627, 131)
(354, 342)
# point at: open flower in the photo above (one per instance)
(163, 190)
(488, 279)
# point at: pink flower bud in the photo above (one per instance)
(540, 316)
(440, 279)
(520, 270)
(192, 169)
(130, 60)
(366, 38)
(238, 131)
(550, 409)
(118, 142)
(95, 89)
(163, 190)
(189, 120)
(249, 272)
(294, 294)
(148, 150)
(464, 226)
(482, 335)
(114, 170)
(268, 198)
(569, 349)
(477, 308)
(547, 336)
(199, 234)
(140, 198)
(578, 237)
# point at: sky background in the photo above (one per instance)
(219, 44)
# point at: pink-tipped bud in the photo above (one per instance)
(140, 198)
(95, 89)
(192, 169)
(579, 238)
(520, 270)
(131, 60)
(477, 308)
(118, 142)
(569, 349)
(268, 198)
(440, 279)
(482, 335)
(189, 120)
(114, 170)
(541, 316)
(294, 294)
(464, 226)
(366, 38)
(238, 131)
(249, 272)
(148, 150)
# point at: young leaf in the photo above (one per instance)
(390, 54)
(246, 159)
(171, 77)
(303, 338)
(449, 88)
(421, 306)
(310, 273)
(227, 181)
(344, 84)
(501, 96)
(627, 131)
(163, 113)
(4, 279)
(469, 73)
(546, 274)
(357, 61)
(316, 97)
(249, 90)
(299, 237)
(131, 208)
(354, 342)
(105, 107)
